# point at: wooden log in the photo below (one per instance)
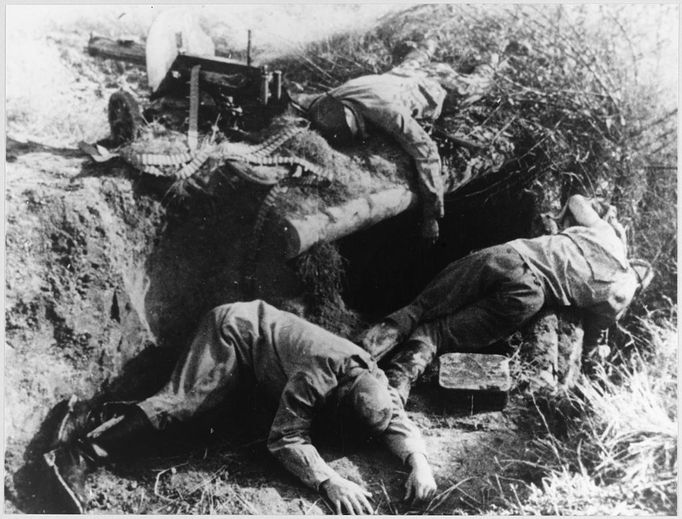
(541, 351)
(552, 348)
(474, 372)
(302, 232)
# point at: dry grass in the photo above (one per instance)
(608, 449)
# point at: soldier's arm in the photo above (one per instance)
(583, 212)
(405, 441)
(417, 143)
(289, 438)
(289, 441)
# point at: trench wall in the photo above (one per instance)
(105, 279)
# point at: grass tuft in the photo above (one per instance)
(609, 448)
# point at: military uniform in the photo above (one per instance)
(393, 102)
(298, 364)
(487, 295)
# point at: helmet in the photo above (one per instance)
(173, 31)
(370, 401)
(338, 121)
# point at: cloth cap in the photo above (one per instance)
(328, 116)
(370, 400)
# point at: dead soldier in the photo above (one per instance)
(487, 295)
(391, 102)
(299, 365)
(404, 103)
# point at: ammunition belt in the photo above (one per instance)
(261, 155)
(303, 169)
(158, 164)
(190, 162)
(254, 244)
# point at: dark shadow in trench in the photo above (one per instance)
(387, 265)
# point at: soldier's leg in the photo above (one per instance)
(207, 373)
(476, 326)
(406, 366)
(485, 322)
(461, 283)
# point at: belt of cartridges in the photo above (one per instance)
(261, 155)
(253, 246)
(307, 171)
(178, 165)
(189, 163)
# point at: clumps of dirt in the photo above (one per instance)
(320, 271)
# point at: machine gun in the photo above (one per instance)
(242, 97)
(246, 97)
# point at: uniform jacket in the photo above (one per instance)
(394, 102)
(296, 364)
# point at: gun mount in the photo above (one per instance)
(245, 96)
(240, 97)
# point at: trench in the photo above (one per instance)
(149, 269)
(386, 265)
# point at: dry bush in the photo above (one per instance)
(320, 271)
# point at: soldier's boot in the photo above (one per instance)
(407, 366)
(70, 463)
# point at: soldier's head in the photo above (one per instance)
(339, 122)
(366, 400)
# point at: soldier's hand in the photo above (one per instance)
(347, 496)
(420, 484)
(429, 231)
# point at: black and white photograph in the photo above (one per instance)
(341, 259)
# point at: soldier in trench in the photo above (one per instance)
(404, 103)
(299, 365)
(487, 295)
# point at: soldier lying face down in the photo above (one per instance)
(487, 295)
(403, 103)
(299, 365)
(393, 103)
